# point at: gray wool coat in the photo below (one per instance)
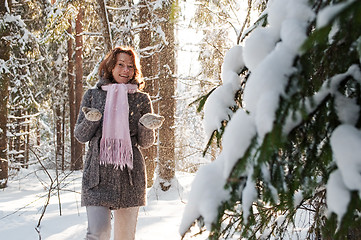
(104, 185)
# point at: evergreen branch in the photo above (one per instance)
(202, 100)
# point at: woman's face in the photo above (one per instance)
(123, 70)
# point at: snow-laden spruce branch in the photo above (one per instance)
(269, 53)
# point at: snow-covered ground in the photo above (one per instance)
(21, 205)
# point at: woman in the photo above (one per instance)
(116, 119)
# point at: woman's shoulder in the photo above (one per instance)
(94, 93)
(141, 98)
(142, 95)
(95, 90)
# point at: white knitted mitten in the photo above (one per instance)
(92, 114)
(151, 120)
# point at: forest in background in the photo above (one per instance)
(50, 51)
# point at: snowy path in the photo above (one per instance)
(22, 202)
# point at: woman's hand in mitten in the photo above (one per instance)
(151, 120)
(92, 114)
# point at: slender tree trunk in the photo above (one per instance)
(63, 138)
(103, 15)
(4, 93)
(38, 135)
(127, 35)
(151, 86)
(20, 137)
(78, 163)
(27, 143)
(58, 129)
(23, 139)
(71, 95)
(58, 153)
(166, 165)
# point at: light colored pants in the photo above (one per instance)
(99, 223)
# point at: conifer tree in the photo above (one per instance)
(4, 84)
(294, 161)
(78, 163)
(167, 80)
(150, 70)
(21, 63)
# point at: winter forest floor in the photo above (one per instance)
(22, 204)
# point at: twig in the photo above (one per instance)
(49, 192)
(246, 21)
(38, 231)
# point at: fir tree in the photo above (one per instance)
(292, 163)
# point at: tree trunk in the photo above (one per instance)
(166, 165)
(27, 142)
(78, 161)
(151, 86)
(4, 93)
(58, 134)
(19, 134)
(63, 137)
(22, 138)
(126, 37)
(103, 15)
(72, 114)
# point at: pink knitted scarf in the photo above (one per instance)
(115, 144)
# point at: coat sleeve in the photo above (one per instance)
(146, 136)
(84, 129)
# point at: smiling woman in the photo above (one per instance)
(116, 119)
